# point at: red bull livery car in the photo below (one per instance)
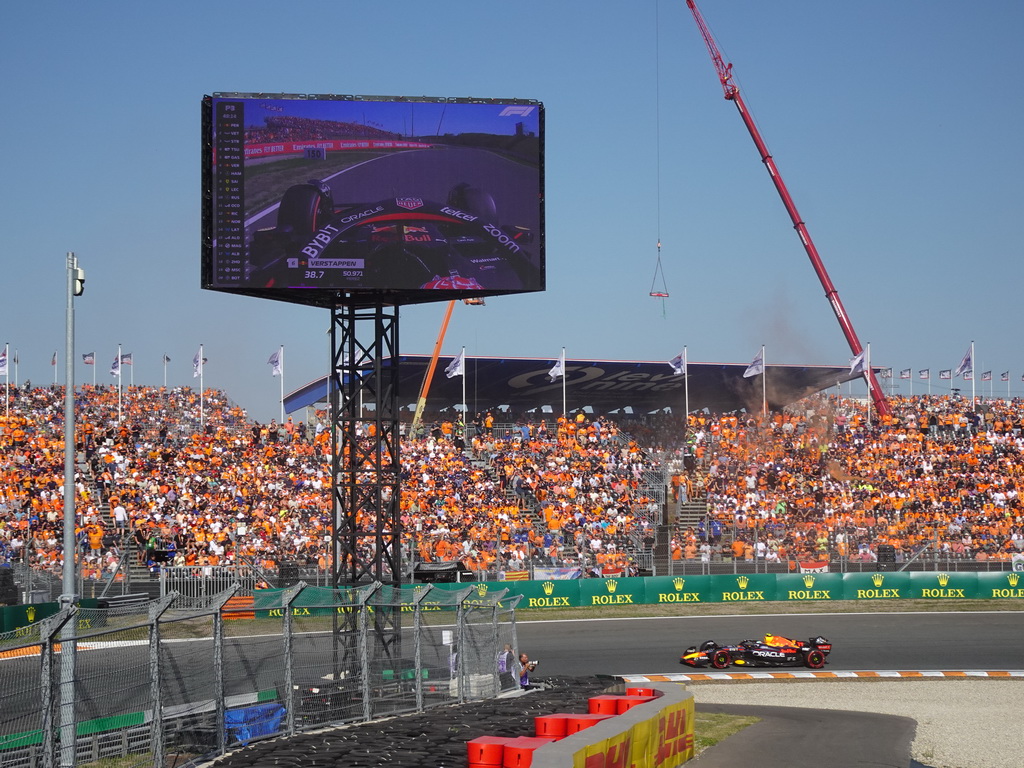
(773, 651)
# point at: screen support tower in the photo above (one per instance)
(366, 522)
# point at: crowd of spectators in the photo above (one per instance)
(937, 478)
(815, 482)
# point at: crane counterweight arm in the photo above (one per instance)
(732, 93)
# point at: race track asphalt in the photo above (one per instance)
(575, 653)
(790, 737)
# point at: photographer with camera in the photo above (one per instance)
(525, 668)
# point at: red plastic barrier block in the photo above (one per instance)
(519, 751)
(643, 692)
(628, 702)
(606, 704)
(487, 750)
(554, 725)
(577, 723)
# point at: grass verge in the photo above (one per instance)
(709, 729)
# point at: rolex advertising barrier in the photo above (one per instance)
(761, 587)
(721, 588)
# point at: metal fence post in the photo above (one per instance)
(218, 665)
(287, 598)
(156, 610)
(48, 631)
(494, 642)
(417, 628)
(460, 643)
(364, 644)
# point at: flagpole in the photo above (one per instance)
(118, 383)
(165, 370)
(15, 368)
(974, 402)
(282, 384)
(686, 390)
(867, 377)
(7, 383)
(202, 414)
(464, 406)
(565, 411)
(94, 369)
(764, 385)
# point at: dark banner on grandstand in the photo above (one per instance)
(359, 200)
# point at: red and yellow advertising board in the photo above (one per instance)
(662, 741)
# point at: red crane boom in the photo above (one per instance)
(732, 93)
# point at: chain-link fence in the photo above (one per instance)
(180, 679)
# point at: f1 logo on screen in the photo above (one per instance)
(518, 111)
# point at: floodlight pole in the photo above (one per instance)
(75, 287)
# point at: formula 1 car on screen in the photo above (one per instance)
(773, 651)
(401, 243)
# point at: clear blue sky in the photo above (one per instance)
(897, 126)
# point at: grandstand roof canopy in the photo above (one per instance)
(602, 386)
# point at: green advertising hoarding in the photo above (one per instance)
(17, 617)
(612, 591)
(809, 586)
(942, 585)
(743, 588)
(678, 589)
(1001, 585)
(876, 586)
(550, 593)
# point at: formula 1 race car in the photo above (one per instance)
(403, 242)
(773, 651)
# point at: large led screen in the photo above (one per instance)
(357, 200)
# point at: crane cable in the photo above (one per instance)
(658, 292)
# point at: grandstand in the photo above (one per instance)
(815, 484)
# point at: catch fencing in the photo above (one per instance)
(179, 680)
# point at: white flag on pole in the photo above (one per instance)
(966, 365)
(115, 368)
(859, 364)
(275, 363)
(756, 367)
(456, 367)
(678, 364)
(197, 365)
(558, 369)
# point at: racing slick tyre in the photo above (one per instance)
(721, 659)
(474, 201)
(304, 209)
(814, 659)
